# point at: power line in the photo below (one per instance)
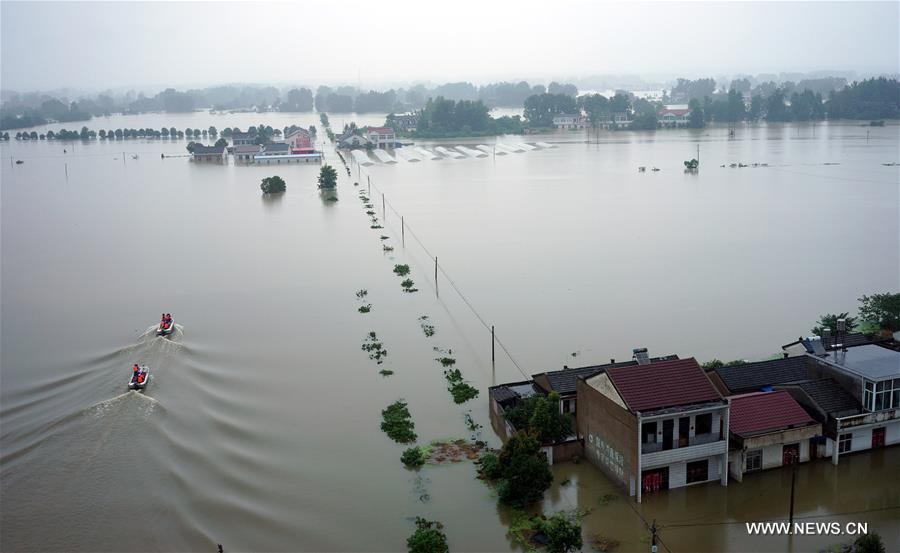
(446, 275)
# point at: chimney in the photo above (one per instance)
(826, 336)
(612, 360)
(841, 335)
(641, 356)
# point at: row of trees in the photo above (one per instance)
(265, 133)
(871, 99)
(33, 109)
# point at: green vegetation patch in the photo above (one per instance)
(429, 537)
(365, 308)
(426, 326)
(401, 270)
(408, 286)
(374, 347)
(397, 423)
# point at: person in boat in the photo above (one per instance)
(168, 319)
(141, 377)
(136, 372)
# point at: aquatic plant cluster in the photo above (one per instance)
(427, 327)
(397, 423)
(374, 347)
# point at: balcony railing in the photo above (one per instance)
(699, 439)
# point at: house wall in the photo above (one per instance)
(610, 436)
(498, 421)
(678, 472)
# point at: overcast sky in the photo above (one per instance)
(47, 45)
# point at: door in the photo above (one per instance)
(684, 431)
(877, 437)
(668, 426)
(813, 449)
(790, 454)
(655, 480)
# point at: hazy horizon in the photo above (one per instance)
(154, 45)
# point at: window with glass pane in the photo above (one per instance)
(754, 460)
(869, 396)
(844, 443)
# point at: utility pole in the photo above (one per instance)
(402, 232)
(436, 293)
(793, 484)
(383, 209)
(653, 546)
(493, 359)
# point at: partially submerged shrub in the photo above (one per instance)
(413, 457)
(446, 361)
(397, 423)
(374, 348)
(385, 372)
(490, 468)
(362, 293)
(428, 538)
(365, 308)
(427, 327)
(401, 270)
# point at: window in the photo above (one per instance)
(895, 403)
(698, 471)
(648, 433)
(844, 442)
(869, 396)
(703, 424)
(754, 460)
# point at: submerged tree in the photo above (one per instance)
(327, 177)
(428, 538)
(881, 310)
(272, 185)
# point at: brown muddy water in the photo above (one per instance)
(260, 427)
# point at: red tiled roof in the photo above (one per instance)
(663, 384)
(765, 411)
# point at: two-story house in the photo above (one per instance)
(381, 137)
(570, 121)
(243, 138)
(655, 426)
(870, 373)
(674, 116)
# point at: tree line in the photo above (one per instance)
(876, 98)
(444, 118)
(33, 109)
(263, 133)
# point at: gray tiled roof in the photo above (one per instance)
(514, 390)
(753, 376)
(563, 382)
(201, 149)
(830, 397)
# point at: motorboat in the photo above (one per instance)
(140, 379)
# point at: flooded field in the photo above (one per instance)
(260, 427)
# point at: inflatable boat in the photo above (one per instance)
(162, 330)
(139, 380)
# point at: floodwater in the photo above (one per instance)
(260, 427)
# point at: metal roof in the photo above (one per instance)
(870, 361)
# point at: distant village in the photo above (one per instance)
(247, 148)
(657, 423)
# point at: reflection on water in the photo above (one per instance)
(260, 429)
